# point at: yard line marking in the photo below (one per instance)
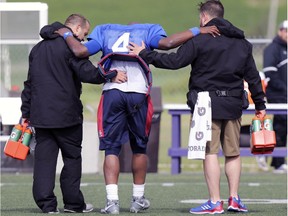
(168, 184)
(253, 184)
(246, 201)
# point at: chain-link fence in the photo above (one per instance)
(174, 84)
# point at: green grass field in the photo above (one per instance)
(264, 194)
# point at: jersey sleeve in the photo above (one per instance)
(93, 47)
(156, 33)
(95, 40)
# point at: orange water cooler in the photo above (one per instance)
(17, 146)
(263, 138)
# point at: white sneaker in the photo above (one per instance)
(281, 169)
(139, 204)
(262, 164)
(111, 207)
(89, 208)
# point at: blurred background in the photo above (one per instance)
(259, 19)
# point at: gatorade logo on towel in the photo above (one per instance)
(200, 131)
(199, 135)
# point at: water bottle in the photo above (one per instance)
(16, 133)
(268, 124)
(27, 136)
(256, 124)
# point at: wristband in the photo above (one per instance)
(67, 34)
(195, 31)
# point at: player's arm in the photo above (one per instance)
(177, 39)
(76, 47)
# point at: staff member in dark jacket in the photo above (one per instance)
(51, 103)
(219, 65)
(275, 69)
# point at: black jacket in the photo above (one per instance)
(275, 69)
(218, 63)
(51, 95)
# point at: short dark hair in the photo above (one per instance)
(75, 19)
(212, 7)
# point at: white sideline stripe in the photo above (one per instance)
(246, 201)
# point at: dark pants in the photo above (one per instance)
(49, 141)
(280, 127)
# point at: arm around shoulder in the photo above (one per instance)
(75, 46)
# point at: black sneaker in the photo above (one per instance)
(88, 208)
(54, 212)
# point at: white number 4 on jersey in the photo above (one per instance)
(121, 44)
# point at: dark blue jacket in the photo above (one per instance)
(217, 63)
(275, 69)
(51, 95)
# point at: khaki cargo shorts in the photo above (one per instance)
(227, 134)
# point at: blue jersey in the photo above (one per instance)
(115, 37)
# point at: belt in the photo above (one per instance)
(224, 93)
